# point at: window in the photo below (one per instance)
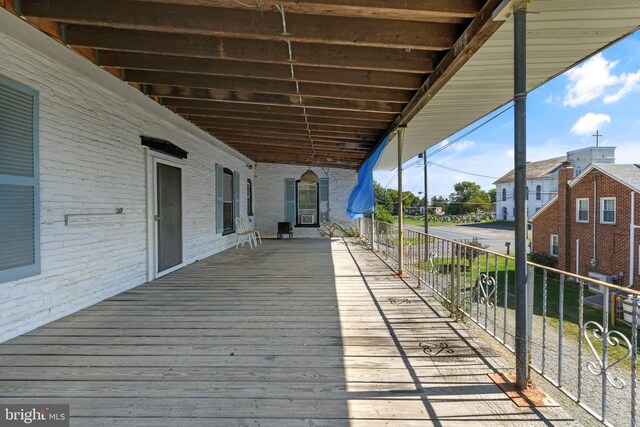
(608, 210)
(582, 210)
(19, 182)
(538, 192)
(249, 198)
(554, 245)
(307, 204)
(526, 194)
(504, 194)
(227, 199)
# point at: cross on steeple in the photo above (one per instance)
(597, 135)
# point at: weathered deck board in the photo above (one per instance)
(289, 334)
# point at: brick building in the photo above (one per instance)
(595, 237)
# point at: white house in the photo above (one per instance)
(542, 180)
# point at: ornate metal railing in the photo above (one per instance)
(583, 342)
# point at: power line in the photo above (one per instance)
(461, 137)
(461, 171)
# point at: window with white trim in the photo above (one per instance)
(19, 182)
(607, 210)
(538, 192)
(582, 210)
(554, 245)
(504, 194)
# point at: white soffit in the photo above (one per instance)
(560, 33)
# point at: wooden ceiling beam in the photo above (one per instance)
(329, 162)
(267, 86)
(210, 105)
(270, 99)
(414, 10)
(193, 114)
(297, 136)
(303, 142)
(274, 52)
(300, 149)
(327, 129)
(245, 24)
(335, 76)
(257, 130)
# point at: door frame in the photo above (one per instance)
(153, 159)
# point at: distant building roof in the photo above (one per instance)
(627, 174)
(535, 170)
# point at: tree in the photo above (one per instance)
(383, 198)
(468, 198)
(492, 194)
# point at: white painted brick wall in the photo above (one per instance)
(92, 161)
(269, 184)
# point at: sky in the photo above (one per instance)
(602, 93)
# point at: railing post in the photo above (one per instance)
(531, 274)
(520, 157)
(373, 232)
(452, 280)
(458, 281)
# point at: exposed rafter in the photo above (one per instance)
(316, 81)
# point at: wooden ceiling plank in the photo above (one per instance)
(414, 10)
(291, 139)
(332, 56)
(267, 86)
(335, 76)
(213, 127)
(274, 134)
(210, 105)
(299, 126)
(168, 92)
(246, 24)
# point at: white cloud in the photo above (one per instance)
(589, 80)
(589, 123)
(630, 83)
(462, 146)
(549, 100)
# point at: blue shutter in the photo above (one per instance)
(19, 182)
(236, 197)
(324, 197)
(290, 200)
(219, 198)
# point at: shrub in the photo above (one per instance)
(383, 215)
(543, 259)
(471, 254)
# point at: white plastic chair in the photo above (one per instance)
(243, 235)
(250, 228)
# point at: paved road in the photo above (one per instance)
(489, 234)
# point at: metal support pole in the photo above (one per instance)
(400, 204)
(523, 324)
(426, 195)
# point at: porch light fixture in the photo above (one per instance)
(309, 177)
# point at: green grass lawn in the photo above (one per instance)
(571, 298)
(420, 222)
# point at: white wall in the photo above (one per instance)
(269, 184)
(92, 161)
(549, 189)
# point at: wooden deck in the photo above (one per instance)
(295, 333)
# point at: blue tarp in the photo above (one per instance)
(362, 200)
